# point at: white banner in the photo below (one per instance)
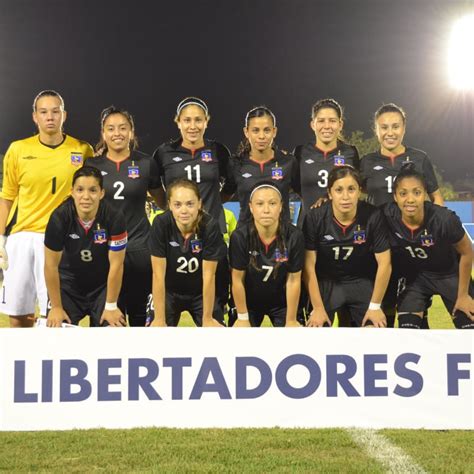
(189, 377)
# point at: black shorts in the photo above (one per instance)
(136, 286)
(175, 304)
(77, 304)
(416, 293)
(277, 316)
(353, 295)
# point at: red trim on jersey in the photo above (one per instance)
(267, 246)
(412, 229)
(261, 163)
(392, 158)
(193, 151)
(326, 153)
(86, 229)
(343, 227)
(118, 163)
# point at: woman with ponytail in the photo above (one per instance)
(186, 247)
(267, 257)
(258, 159)
(432, 253)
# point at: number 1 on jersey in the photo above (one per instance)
(197, 171)
(390, 180)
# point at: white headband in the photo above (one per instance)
(191, 101)
(266, 186)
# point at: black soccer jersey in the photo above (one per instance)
(85, 260)
(281, 170)
(184, 256)
(265, 285)
(428, 248)
(346, 252)
(378, 173)
(207, 166)
(126, 184)
(315, 166)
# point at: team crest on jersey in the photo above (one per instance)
(426, 239)
(206, 156)
(339, 160)
(133, 172)
(76, 159)
(100, 236)
(281, 256)
(359, 236)
(196, 246)
(277, 172)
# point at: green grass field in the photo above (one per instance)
(237, 450)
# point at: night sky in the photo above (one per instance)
(147, 55)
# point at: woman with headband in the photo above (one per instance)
(258, 160)
(267, 257)
(194, 157)
(347, 262)
(128, 176)
(317, 158)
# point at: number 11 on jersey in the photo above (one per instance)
(197, 172)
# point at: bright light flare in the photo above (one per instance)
(461, 54)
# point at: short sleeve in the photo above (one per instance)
(158, 159)
(155, 179)
(452, 227)
(10, 174)
(296, 251)
(214, 247)
(158, 236)
(117, 230)
(355, 158)
(295, 174)
(238, 251)
(379, 233)
(55, 234)
(310, 230)
(430, 176)
(225, 172)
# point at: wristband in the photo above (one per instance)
(3, 240)
(374, 306)
(111, 306)
(243, 316)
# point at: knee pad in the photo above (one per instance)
(461, 321)
(409, 321)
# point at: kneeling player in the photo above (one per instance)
(347, 262)
(186, 247)
(85, 244)
(432, 251)
(267, 257)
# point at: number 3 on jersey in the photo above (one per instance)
(323, 178)
(197, 172)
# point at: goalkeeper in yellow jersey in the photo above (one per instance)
(37, 176)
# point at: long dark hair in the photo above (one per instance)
(339, 172)
(254, 242)
(188, 184)
(259, 111)
(101, 146)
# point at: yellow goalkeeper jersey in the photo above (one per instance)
(38, 178)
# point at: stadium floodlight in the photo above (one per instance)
(460, 54)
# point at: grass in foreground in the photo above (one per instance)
(232, 450)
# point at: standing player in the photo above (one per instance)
(186, 247)
(85, 244)
(347, 261)
(267, 257)
(379, 169)
(194, 157)
(37, 174)
(128, 176)
(258, 160)
(316, 159)
(432, 251)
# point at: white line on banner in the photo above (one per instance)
(393, 458)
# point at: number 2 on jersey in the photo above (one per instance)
(120, 187)
(197, 172)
